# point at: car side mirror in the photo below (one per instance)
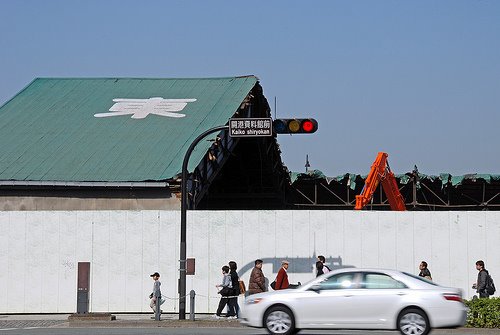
(316, 288)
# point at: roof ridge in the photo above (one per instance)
(143, 78)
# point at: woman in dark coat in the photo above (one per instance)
(319, 268)
(233, 301)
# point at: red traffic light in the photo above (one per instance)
(308, 126)
(295, 126)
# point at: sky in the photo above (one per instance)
(419, 80)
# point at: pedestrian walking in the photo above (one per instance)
(233, 308)
(282, 277)
(424, 270)
(319, 268)
(322, 259)
(482, 277)
(257, 282)
(155, 296)
(225, 290)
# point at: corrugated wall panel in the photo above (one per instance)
(39, 251)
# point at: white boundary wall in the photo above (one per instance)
(40, 250)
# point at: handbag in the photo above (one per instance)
(225, 291)
(243, 289)
(273, 284)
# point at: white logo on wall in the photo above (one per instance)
(140, 108)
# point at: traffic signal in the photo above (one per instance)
(295, 126)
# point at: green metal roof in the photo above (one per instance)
(88, 130)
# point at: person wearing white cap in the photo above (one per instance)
(282, 277)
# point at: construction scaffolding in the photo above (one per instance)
(420, 192)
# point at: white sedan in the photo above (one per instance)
(358, 299)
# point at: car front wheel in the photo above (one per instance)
(279, 320)
(413, 321)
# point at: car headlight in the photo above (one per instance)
(251, 301)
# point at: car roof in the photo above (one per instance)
(388, 271)
(397, 274)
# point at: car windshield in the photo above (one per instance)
(425, 280)
(311, 281)
(330, 281)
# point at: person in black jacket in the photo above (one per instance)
(322, 259)
(319, 268)
(233, 307)
(482, 276)
(424, 270)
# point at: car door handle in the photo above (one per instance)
(401, 293)
(348, 295)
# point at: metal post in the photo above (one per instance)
(182, 269)
(192, 294)
(414, 192)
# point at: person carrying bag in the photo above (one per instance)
(226, 290)
(281, 282)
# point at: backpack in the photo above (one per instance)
(490, 286)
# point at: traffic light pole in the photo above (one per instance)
(280, 126)
(182, 269)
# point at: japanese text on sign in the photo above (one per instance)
(250, 127)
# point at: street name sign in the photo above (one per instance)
(250, 127)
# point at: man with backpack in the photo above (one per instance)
(484, 285)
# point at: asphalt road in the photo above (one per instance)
(209, 331)
(169, 331)
(127, 324)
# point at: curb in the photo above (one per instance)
(156, 324)
(92, 317)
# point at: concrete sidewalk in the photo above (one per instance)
(122, 320)
(167, 320)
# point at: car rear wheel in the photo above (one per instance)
(279, 320)
(413, 321)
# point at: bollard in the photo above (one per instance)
(192, 294)
(158, 307)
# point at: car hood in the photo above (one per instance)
(273, 293)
